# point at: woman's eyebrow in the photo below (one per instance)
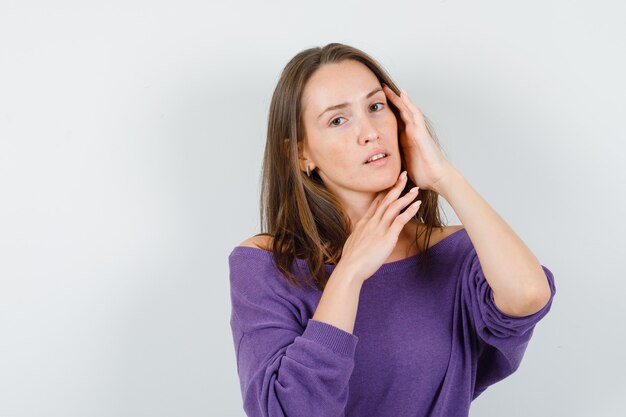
(339, 106)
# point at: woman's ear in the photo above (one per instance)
(302, 154)
(303, 157)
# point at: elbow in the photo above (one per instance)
(541, 298)
(537, 298)
(536, 302)
(531, 304)
(541, 295)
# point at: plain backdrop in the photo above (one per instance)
(131, 138)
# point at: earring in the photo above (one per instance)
(307, 170)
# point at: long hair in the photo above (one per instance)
(302, 216)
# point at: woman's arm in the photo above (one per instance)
(518, 283)
(515, 275)
(340, 300)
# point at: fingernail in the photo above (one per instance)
(404, 175)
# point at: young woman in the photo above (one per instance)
(439, 320)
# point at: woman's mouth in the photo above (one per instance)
(378, 162)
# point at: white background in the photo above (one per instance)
(131, 137)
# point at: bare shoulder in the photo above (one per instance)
(258, 241)
(440, 233)
(448, 230)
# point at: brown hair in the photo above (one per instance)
(305, 220)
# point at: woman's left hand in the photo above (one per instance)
(424, 161)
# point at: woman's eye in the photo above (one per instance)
(334, 124)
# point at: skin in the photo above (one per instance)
(519, 284)
(337, 144)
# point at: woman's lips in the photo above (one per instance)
(379, 162)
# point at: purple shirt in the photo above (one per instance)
(423, 345)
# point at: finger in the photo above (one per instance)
(392, 195)
(405, 112)
(394, 209)
(402, 219)
(418, 120)
(409, 104)
(410, 113)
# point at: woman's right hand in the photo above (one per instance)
(375, 235)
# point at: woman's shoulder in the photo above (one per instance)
(442, 230)
(449, 230)
(264, 240)
(261, 241)
(437, 234)
(253, 270)
(250, 262)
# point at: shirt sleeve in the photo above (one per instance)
(501, 339)
(285, 368)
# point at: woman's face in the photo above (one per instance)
(338, 141)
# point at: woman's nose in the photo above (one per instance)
(367, 130)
